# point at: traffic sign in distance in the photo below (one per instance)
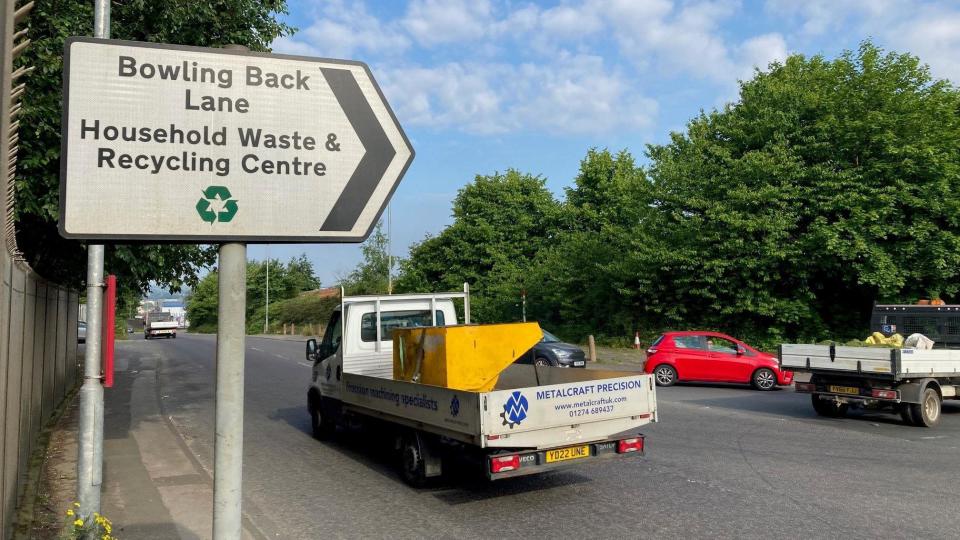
(187, 144)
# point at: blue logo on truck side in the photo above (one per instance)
(514, 410)
(454, 406)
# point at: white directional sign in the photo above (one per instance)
(173, 143)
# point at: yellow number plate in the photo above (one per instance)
(563, 454)
(844, 390)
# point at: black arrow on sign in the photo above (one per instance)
(376, 158)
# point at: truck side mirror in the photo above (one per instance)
(311, 349)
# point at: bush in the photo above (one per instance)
(309, 308)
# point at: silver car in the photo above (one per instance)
(81, 332)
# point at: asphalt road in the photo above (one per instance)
(723, 462)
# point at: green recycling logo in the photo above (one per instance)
(217, 204)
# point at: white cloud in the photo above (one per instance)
(570, 21)
(934, 36)
(343, 31)
(927, 29)
(573, 95)
(759, 52)
(822, 16)
(433, 22)
(581, 66)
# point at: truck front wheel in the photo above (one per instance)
(927, 412)
(321, 421)
(828, 407)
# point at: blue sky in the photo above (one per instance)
(486, 85)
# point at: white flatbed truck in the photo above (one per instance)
(536, 418)
(912, 382)
(159, 323)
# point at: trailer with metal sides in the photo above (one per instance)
(525, 419)
(911, 382)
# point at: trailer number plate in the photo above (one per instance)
(563, 454)
(844, 390)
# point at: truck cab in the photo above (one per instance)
(369, 351)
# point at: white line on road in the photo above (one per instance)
(304, 364)
(256, 349)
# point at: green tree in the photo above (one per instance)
(371, 275)
(202, 304)
(286, 282)
(578, 284)
(210, 23)
(500, 223)
(829, 185)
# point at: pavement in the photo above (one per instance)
(723, 462)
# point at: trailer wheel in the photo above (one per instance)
(764, 379)
(413, 466)
(828, 407)
(665, 375)
(927, 412)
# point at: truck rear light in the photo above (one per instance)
(630, 445)
(500, 464)
(804, 387)
(884, 394)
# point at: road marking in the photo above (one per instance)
(304, 364)
(256, 349)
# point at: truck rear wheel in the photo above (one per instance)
(828, 407)
(412, 464)
(927, 412)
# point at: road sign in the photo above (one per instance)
(174, 143)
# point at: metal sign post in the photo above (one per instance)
(228, 445)
(172, 143)
(90, 436)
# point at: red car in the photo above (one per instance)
(713, 357)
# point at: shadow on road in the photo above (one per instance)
(784, 402)
(462, 482)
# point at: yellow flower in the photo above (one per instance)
(76, 504)
(78, 522)
(69, 512)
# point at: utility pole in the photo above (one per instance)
(231, 337)
(266, 316)
(90, 437)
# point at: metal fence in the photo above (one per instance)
(38, 319)
(38, 368)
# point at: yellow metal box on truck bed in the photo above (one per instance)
(467, 357)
